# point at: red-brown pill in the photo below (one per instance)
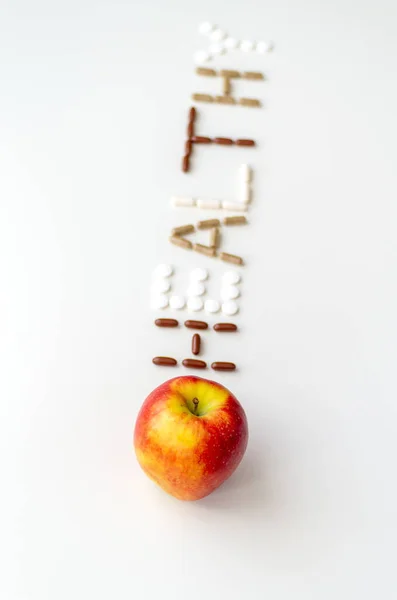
(245, 142)
(196, 344)
(166, 323)
(201, 139)
(223, 141)
(225, 327)
(223, 366)
(188, 148)
(196, 324)
(193, 363)
(185, 163)
(190, 129)
(192, 114)
(164, 361)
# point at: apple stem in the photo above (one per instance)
(196, 403)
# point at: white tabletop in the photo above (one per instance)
(93, 108)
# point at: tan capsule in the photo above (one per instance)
(252, 75)
(208, 224)
(225, 100)
(245, 142)
(181, 242)
(231, 258)
(226, 88)
(230, 73)
(240, 220)
(202, 98)
(215, 237)
(206, 250)
(205, 72)
(185, 163)
(252, 102)
(183, 229)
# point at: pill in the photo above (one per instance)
(226, 87)
(229, 308)
(206, 250)
(164, 361)
(223, 141)
(183, 229)
(201, 56)
(205, 28)
(240, 220)
(194, 363)
(229, 292)
(225, 327)
(217, 35)
(215, 237)
(252, 102)
(231, 43)
(234, 206)
(212, 306)
(190, 133)
(195, 304)
(177, 302)
(231, 277)
(185, 163)
(210, 204)
(225, 100)
(231, 258)
(202, 98)
(196, 288)
(182, 201)
(181, 242)
(192, 114)
(166, 323)
(223, 366)
(196, 344)
(243, 142)
(159, 301)
(246, 193)
(205, 72)
(188, 147)
(198, 274)
(216, 48)
(208, 224)
(245, 172)
(252, 75)
(163, 270)
(263, 47)
(196, 324)
(201, 139)
(229, 73)
(247, 46)
(160, 286)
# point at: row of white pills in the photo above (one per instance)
(220, 43)
(194, 304)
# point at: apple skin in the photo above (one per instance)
(190, 455)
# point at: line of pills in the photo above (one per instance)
(227, 75)
(221, 42)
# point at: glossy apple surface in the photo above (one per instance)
(190, 436)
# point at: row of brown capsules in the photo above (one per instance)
(223, 141)
(193, 363)
(188, 143)
(192, 324)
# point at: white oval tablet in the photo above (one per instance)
(263, 47)
(201, 56)
(195, 304)
(159, 301)
(216, 48)
(177, 302)
(211, 306)
(205, 28)
(196, 288)
(229, 292)
(231, 43)
(198, 274)
(229, 308)
(247, 46)
(217, 35)
(163, 271)
(231, 277)
(161, 285)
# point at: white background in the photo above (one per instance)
(93, 104)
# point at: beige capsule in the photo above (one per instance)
(227, 88)
(251, 102)
(202, 97)
(215, 237)
(206, 72)
(225, 100)
(206, 250)
(253, 75)
(239, 220)
(182, 230)
(208, 224)
(181, 242)
(231, 258)
(230, 73)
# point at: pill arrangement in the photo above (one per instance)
(221, 43)
(227, 76)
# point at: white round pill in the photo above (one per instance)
(201, 56)
(247, 46)
(205, 28)
(195, 304)
(229, 292)
(230, 43)
(160, 286)
(231, 277)
(177, 302)
(262, 47)
(217, 35)
(211, 306)
(159, 301)
(163, 270)
(216, 48)
(198, 274)
(196, 288)
(229, 308)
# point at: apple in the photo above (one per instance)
(190, 436)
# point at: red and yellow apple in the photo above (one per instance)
(190, 436)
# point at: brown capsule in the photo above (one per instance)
(231, 258)
(240, 220)
(200, 139)
(223, 366)
(208, 224)
(245, 142)
(225, 327)
(192, 114)
(194, 363)
(185, 163)
(166, 323)
(253, 102)
(196, 343)
(202, 98)
(190, 131)
(181, 242)
(164, 361)
(183, 229)
(229, 73)
(223, 141)
(252, 75)
(206, 72)
(196, 324)
(226, 88)
(225, 100)
(206, 250)
(215, 237)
